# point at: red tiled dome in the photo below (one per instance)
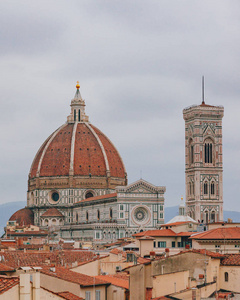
(23, 216)
(77, 150)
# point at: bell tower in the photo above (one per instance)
(203, 162)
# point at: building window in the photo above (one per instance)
(110, 213)
(191, 154)
(74, 115)
(79, 115)
(226, 276)
(237, 246)
(98, 295)
(76, 217)
(208, 153)
(205, 188)
(121, 215)
(154, 244)
(217, 246)
(98, 214)
(86, 215)
(213, 216)
(173, 244)
(87, 295)
(212, 188)
(161, 215)
(121, 207)
(89, 195)
(161, 207)
(97, 235)
(161, 244)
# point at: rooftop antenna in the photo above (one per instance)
(203, 102)
(140, 174)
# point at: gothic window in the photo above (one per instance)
(208, 150)
(86, 215)
(193, 188)
(79, 115)
(212, 188)
(190, 188)
(76, 217)
(74, 115)
(205, 188)
(98, 214)
(226, 276)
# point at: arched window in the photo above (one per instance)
(226, 276)
(212, 188)
(205, 188)
(79, 114)
(208, 150)
(76, 217)
(86, 215)
(190, 188)
(110, 213)
(89, 195)
(193, 188)
(98, 214)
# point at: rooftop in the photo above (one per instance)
(71, 276)
(7, 283)
(120, 282)
(223, 233)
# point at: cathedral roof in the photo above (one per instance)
(52, 212)
(77, 148)
(23, 216)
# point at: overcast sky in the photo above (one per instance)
(139, 64)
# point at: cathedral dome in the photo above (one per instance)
(79, 150)
(23, 216)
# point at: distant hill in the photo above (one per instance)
(7, 209)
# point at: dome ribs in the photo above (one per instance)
(34, 167)
(116, 166)
(88, 155)
(23, 216)
(56, 161)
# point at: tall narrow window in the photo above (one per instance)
(86, 215)
(213, 216)
(206, 217)
(190, 188)
(79, 115)
(110, 213)
(212, 188)
(98, 214)
(208, 148)
(193, 188)
(226, 276)
(205, 188)
(74, 115)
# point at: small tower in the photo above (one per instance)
(203, 162)
(77, 108)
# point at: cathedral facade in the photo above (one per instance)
(78, 186)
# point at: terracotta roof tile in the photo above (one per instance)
(156, 233)
(7, 283)
(23, 216)
(52, 212)
(88, 154)
(5, 268)
(66, 257)
(140, 259)
(231, 260)
(176, 223)
(71, 276)
(112, 195)
(69, 296)
(115, 281)
(225, 233)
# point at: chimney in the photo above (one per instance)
(36, 285)
(152, 254)
(25, 287)
(167, 252)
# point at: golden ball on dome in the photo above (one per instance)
(78, 85)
